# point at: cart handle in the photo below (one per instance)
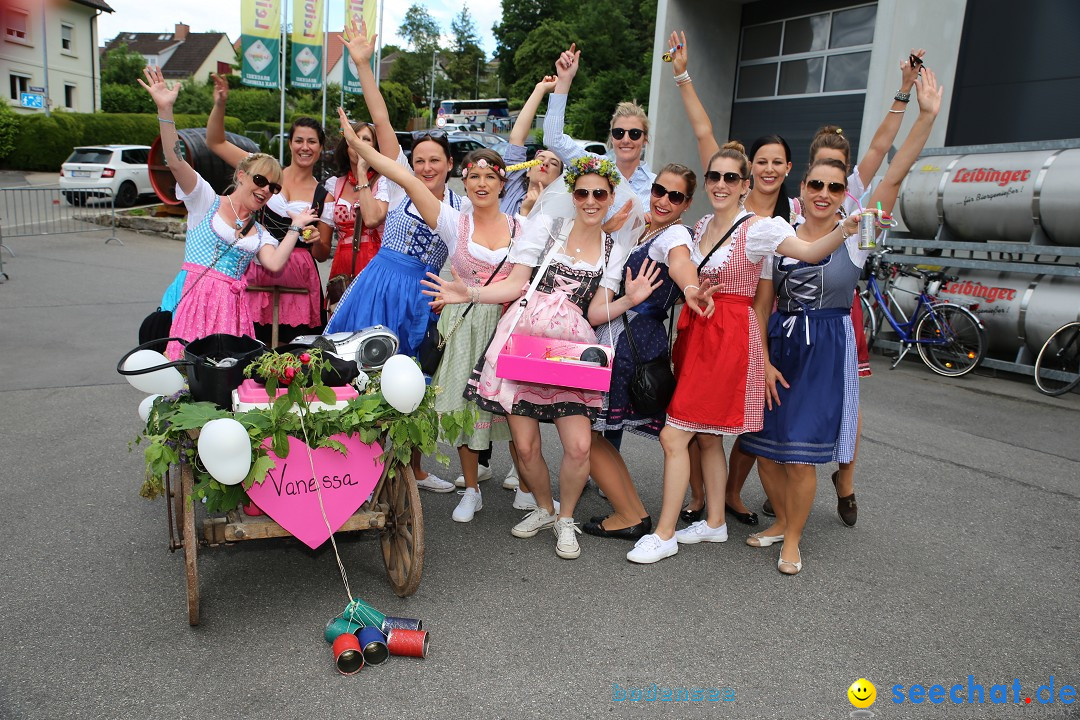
(146, 346)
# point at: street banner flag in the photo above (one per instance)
(305, 69)
(260, 42)
(355, 11)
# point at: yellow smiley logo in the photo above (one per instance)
(862, 693)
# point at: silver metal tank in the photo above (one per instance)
(1006, 196)
(1016, 308)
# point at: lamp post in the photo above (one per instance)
(476, 95)
(433, 54)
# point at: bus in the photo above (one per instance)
(474, 112)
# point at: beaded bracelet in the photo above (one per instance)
(682, 78)
(296, 229)
(902, 97)
(171, 122)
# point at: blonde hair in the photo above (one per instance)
(259, 164)
(733, 150)
(631, 110)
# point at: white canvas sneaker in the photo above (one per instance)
(566, 544)
(434, 483)
(470, 502)
(533, 523)
(701, 532)
(651, 548)
(511, 481)
(527, 501)
(483, 473)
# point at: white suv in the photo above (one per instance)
(104, 170)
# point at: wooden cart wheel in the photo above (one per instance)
(402, 538)
(191, 543)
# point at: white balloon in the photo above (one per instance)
(146, 406)
(167, 381)
(403, 383)
(225, 450)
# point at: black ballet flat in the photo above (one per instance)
(634, 532)
(692, 516)
(747, 518)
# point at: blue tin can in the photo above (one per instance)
(373, 643)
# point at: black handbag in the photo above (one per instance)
(433, 345)
(653, 383)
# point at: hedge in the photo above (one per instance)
(44, 142)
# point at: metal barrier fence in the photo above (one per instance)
(28, 212)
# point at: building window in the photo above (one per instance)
(16, 24)
(67, 38)
(825, 53)
(69, 96)
(19, 85)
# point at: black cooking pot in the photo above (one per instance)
(214, 365)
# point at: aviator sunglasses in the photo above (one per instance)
(729, 177)
(600, 194)
(834, 187)
(261, 181)
(659, 191)
(619, 133)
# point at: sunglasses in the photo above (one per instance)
(620, 133)
(261, 181)
(659, 191)
(729, 177)
(599, 193)
(834, 187)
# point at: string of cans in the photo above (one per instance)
(361, 635)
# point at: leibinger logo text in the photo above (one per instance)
(662, 693)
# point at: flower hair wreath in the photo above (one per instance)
(483, 164)
(594, 165)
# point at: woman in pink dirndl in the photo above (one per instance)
(584, 267)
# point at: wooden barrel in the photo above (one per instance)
(212, 168)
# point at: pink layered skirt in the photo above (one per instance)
(293, 308)
(212, 302)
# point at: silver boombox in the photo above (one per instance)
(370, 348)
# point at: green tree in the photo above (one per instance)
(122, 65)
(466, 58)
(126, 98)
(420, 29)
(519, 18)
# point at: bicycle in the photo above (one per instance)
(1057, 368)
(949, 338)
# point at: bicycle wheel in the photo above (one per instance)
(869, 321)
(1057, 369)
(950, 339)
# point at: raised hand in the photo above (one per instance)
(566, 66)
(616, 221)
(221, 89)
(678, 58)
(547, 84)
(909, 71)
(445, 292)
(305, 217)
(638, 289)
(360, 46)
(928, 92)
(163, 95)
(348, 133)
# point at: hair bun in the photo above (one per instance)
(734, 145)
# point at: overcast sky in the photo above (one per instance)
(224, 16)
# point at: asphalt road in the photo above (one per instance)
(963, 562)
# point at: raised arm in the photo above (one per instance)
(455, 292)
(361, 47)
(814, 252)
(215, 126)
(555, 138)
(636, 290)
(427, 204)
(929, 94)
(164, 98)
(520, 133)
(695, 111)
(883, 138)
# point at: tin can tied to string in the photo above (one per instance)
(347, 654)
(373, 643)
(408, 643)
(340, 626)
(363, 614)
(389, 623)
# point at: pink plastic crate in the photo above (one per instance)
(529, 358)
(252, 392)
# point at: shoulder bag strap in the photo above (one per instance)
(716, 247)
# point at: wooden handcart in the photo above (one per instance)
(393, 509)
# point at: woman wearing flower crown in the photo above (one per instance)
(584, 269)
(480, 238)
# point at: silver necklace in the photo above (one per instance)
(237, 222)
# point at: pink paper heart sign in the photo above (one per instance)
(290, 496)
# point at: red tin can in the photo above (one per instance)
(408, 643)
(347, 654)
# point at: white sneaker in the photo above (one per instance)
(483, 473)
(566, 544)
(527, 501)
(533, 523)
(511, 482)
(434, 483)
(701, 531)
(470, 502)
(651, 548)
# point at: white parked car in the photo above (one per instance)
(104, 170)
(592, 146)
